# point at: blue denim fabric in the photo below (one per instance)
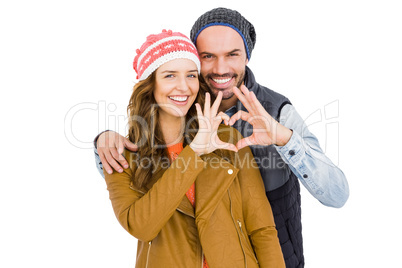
(99, 165)
(324, 180)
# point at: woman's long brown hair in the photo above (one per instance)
(145, 130)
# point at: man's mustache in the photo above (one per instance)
(226, 75)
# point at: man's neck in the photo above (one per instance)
(228, 103)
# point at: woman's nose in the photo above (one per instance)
(182, 84)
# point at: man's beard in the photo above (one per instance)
(227, 93)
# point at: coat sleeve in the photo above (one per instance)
(143, 215)
(257, 213)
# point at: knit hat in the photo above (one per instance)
(161, 48)
(226, 17)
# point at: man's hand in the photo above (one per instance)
(266, 130)
(110, 147)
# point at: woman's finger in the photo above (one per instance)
(207, 105)
(224, 117)
(199, 111)
(225, 146)
(217, 103)
(217, 120)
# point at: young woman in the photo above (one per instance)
(188, 196)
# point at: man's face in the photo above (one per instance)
(223, 59)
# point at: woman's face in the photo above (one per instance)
(176, 88)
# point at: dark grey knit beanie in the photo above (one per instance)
(226, 17)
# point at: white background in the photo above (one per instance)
(66, 74)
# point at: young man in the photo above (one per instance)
(285, 150)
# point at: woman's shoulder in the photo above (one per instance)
(131, 158)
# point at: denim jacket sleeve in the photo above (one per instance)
(324, 180)
(98, 162)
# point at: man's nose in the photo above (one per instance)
(221, 66)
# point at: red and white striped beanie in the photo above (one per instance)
(161, 48)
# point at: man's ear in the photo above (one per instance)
(246, 61)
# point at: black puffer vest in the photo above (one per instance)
(282, 186)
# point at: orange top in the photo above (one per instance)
(174, 151)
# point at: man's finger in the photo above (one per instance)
(120, 145)
(101, 142)
(105, 164)
(242, 98)
(256, 105)
(118, 156)
(244, 143)
(245, 91)
(229, 146)
(111, 161)
(129, 145)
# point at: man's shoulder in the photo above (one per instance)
(267, 94)
(272, 101)
(263, 93)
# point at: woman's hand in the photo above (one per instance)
(207, 140)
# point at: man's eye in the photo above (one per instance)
(207, 57)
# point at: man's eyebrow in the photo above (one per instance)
(205, 52)
(234, 50)
(229, 52)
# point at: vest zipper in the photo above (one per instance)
(251, 250)
(149, 250)
(241, 244)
